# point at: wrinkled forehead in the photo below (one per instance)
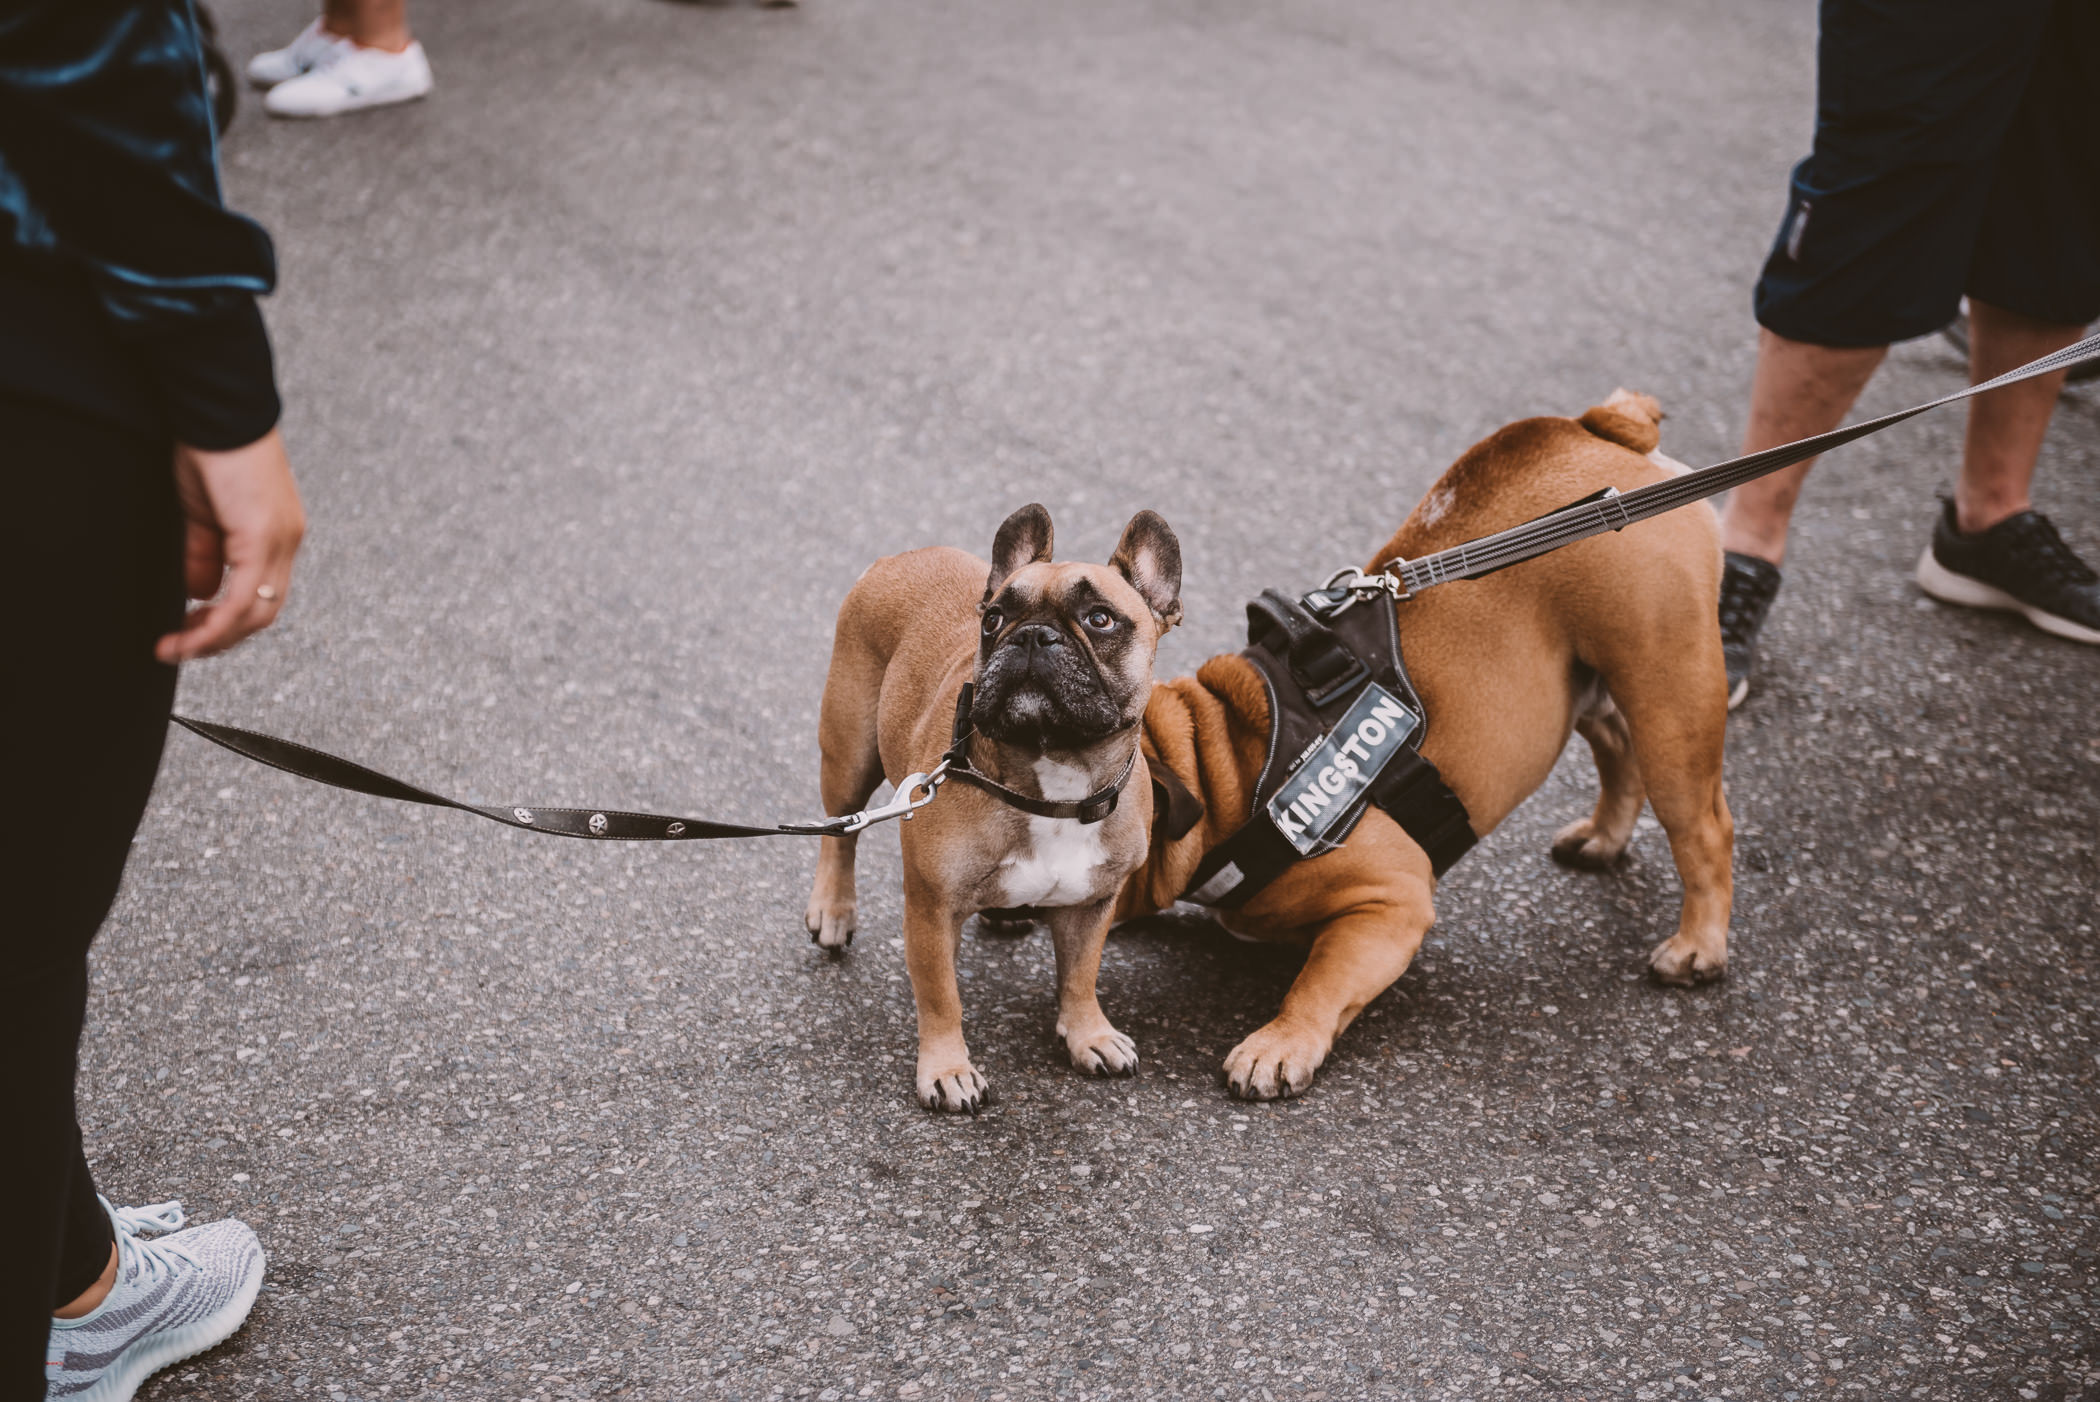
(1071, 585)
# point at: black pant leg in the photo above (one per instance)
(94, 561)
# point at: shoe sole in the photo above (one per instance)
(1736, 694)
(391, 100)
(1951, 588)
(148, 1356)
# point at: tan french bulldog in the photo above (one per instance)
(1060, 659)
(1613, 637)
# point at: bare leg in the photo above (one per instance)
(375, 24)
(1078, 932)
(2006, 426)
(1799, 390)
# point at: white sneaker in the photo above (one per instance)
(350, 76)
(282, 65)
(173, 1297)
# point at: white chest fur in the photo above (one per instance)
(1061, 863)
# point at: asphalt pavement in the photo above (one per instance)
(607, 370)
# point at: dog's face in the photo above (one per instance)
(1064, 652)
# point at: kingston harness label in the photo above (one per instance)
(1325, 787)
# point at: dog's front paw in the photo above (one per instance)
(1580, 845)
(1686, 958)
(959, 1089)
(831, 923)
(1276, 1062)
(1101, 1051)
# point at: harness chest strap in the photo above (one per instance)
(1345, 730)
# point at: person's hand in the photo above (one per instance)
(243, 525)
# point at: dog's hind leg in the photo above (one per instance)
(852, 771)
(1598, 841)
(1676, 712)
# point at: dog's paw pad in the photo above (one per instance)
(1104, 1053)
(956, 1092)
(1275, 1063)
(1683, 960)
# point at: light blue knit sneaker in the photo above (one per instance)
(174, 1297)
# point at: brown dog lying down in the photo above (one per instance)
(1613, 636)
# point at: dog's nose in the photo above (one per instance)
(1035, 635)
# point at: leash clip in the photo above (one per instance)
(906, 801)
(1349, 586)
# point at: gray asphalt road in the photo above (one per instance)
(612, 364)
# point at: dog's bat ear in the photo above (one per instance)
(1023, 539)
(1149, 557)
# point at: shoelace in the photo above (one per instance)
(161, 1217)
(152, 1258)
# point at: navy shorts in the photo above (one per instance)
(1957, 151)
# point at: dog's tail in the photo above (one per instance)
(1629, 419)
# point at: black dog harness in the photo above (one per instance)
(1345, 731)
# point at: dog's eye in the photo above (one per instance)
(1100, 620)
(992, 619)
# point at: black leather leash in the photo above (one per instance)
(603, 824)
(615, 825)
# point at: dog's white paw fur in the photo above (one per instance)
(1276, 1062)
(1581, 845)
(955, 1089)
(1687, 959)
(831, 923)
(1101, 1051)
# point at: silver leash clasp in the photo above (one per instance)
(1349, 586)
(907, 800)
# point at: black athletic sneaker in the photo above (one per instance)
(2020, 565)
(1748, 585)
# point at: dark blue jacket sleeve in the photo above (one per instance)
(107, 163)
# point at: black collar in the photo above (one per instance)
(956, 765)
